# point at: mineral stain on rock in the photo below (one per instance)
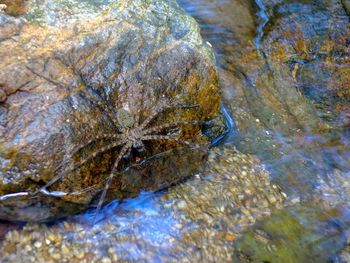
(64, 75)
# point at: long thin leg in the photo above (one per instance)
(55, 82)
(95, 139)
(169, 137)
(161, 108)
(172, 124)
(111, 176)
(128, 152)
(101, 105)
(154, 137)
(76, 166)
(78, 148)
(151, 117)
(87, 189)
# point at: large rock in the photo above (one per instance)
(67, 71)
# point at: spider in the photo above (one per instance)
(129, 133)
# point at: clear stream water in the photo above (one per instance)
(310, 169)
(318, 166)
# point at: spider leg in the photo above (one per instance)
(76, 166)
(127, 153)
(163, 106)
(101, 105)
(159, 109)
(95, 139)
(54, 82)
(125, 148)
(172, 138)
(82, 146)
(172, 124)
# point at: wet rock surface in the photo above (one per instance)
(290, 235)
(67, 69)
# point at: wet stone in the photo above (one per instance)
(67, 68)
(294, 234)
(2, 96)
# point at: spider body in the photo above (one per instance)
(125, 119)
(133, 134)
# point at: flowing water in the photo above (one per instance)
(277, 191)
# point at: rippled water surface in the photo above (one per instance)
(310, 159)
(279, 190)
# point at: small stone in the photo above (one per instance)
(65, 250)
(79, 254)
(272, 199)
(182, 204)
(247, 191)
(51, 237)
(56, 256)
(106, 260)
(229, 237)
(178, 226)
(2, 7)
(28, 248)
(111, 251)
(38, 244)
(66, 224)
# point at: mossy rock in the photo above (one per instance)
(293, 235)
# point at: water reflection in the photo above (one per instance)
(135, 224)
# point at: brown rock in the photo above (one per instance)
(68, 79)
